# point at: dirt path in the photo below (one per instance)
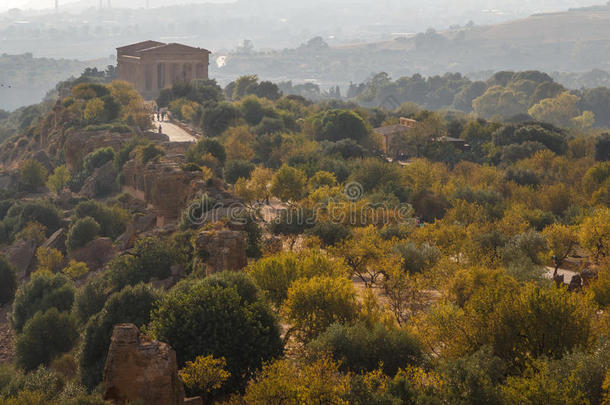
(567, 274)
(174, 132)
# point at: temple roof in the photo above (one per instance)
(172, 47)
(139, 46)
(155, 46)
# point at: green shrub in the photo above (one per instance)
(45, 336)
(7, 375)
(90, 299)
(39, 211)
(47, 383)
(235, 169)
(477, 377)
(81, 232)
(330, 233)
(131, 305)
(97, 159)
(119, 128)
(418, 258)
(206, 318)
(148, 153)
(32, 175)
(5, 205)
(8, 281)
(156, 255)
(126, 270)
(196, 151)
(112, 220)
(335, 125)
(361, 347)
(45, 290)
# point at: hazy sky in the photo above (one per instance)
(40, 4)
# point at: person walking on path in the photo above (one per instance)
(160, 129)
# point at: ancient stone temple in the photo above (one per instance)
(151, 66)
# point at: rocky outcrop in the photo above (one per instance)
(176, 148)
(168, 188)
(42, 158)
(221, 250)
(163, 184)
(21, 255)
(95, 254)
(575, 283)
(57, 241)
(139, 224)
(81, 143)
(138, 369)
(101, 182)
(9, 181)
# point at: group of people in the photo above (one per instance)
(160, 114)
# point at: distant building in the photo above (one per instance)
(151, 66)
(456, 142)
(389, 132)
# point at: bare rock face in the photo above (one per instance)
(141, 369)
(96, 253)
(80, 144)
(9, 181)
(57, 241)
(101, 182)
(42, 158)
(139, 224)
(222, 250)
(21, 255)
(164, 185)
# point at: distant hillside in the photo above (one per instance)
(571, 41)
(24, 80)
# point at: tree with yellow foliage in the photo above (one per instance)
(239, 143)
(205, 374)
(562, 240)
(94, 110)
(48, 258)
(595, 233)
(312, 305)
(290, 382)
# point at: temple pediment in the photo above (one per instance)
(172, 48)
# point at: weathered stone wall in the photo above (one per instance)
(168, 189)
(164, 185)
(141, 369)
(222, 250)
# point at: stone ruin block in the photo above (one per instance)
(221, 250)
(141, 369)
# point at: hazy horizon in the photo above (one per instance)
(329, 42)
(493, 5)
(50, 4)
